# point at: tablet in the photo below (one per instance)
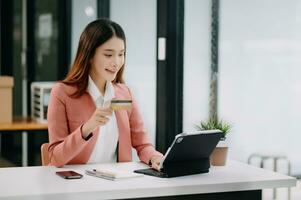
(190, 150)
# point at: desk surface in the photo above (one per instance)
(23, 124)
(41, 182)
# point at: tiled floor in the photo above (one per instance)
(282, 193)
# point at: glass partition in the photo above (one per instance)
(260, 84)
(138, 19)
(196, 62)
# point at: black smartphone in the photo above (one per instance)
(69, 174)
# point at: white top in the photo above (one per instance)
(106, 144)
(31, 183)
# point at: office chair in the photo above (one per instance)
(44, 154)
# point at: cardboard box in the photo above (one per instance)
(6, 99)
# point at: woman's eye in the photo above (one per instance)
(121, 55)
(107, 55)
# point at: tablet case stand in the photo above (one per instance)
(188, 154)
(174, 169)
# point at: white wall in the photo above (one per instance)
(83, 12)
(196, 62)
(138, 19)
(260, 83)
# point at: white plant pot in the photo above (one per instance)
(222, 143)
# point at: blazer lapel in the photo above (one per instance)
(124, 140)
(91, 108)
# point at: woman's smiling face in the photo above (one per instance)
(108, 59)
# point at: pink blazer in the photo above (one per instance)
(67, 114)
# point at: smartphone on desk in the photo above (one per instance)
(69, 174)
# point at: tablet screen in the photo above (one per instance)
(191, 146)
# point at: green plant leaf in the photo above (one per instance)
(214, 123)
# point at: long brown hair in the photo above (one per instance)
(95, 34)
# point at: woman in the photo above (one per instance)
(82, 126)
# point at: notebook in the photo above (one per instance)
(112, 174)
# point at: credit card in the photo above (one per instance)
(121, 104)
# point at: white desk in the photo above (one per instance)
(42, 183)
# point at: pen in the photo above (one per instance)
(94, 173)
(105, 173)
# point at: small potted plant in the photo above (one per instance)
(219, 155)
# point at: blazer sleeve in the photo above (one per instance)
(63, 145)
(139, 136)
